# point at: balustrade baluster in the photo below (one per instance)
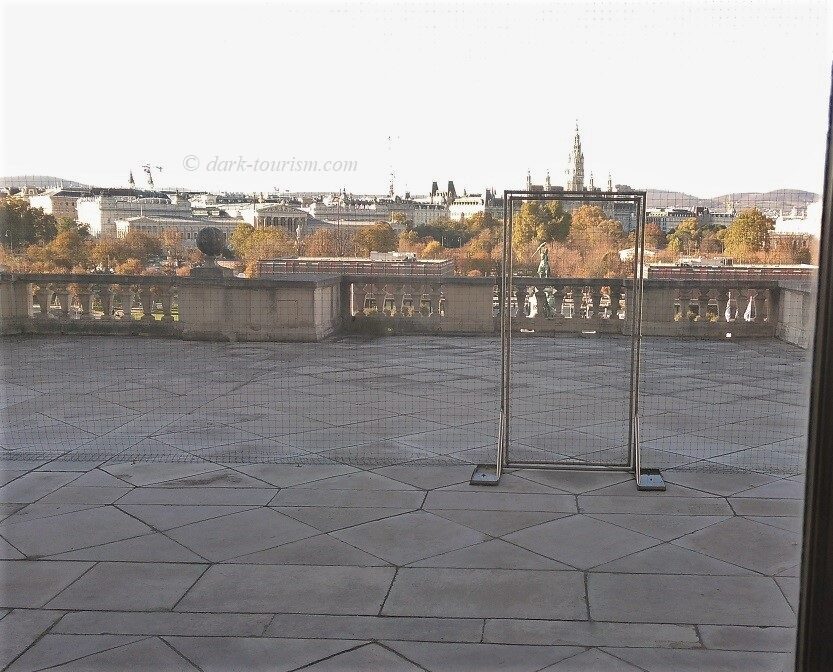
(146, 299)
(62, 292)
(398, 299)
(124, 294)
(359, 298)
(85, 299)
(521, 292)
(44, 298)
(105, 297)
(166, 297)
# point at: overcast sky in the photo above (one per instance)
(702, 97)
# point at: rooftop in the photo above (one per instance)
(187, 505)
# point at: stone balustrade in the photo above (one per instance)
(305, 308)
(314, 307)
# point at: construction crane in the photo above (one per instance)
(147, 168)
(391, 186)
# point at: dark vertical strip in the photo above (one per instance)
(814, 651)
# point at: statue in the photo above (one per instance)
(544, 265)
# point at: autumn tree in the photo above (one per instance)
(321, 243)
(540, 221)
(748, 234)
(21, 225)
(239, 238)
(66, 252)
(379, 237)
(267, 243)
(171, 240)
(591, 228)
(141, 246)
(655, 238)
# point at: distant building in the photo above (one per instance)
(58, 202)
(389, 263)
(473, 204)
(669, 219)
(101, 212)
(187, 227)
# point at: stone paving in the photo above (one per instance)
(216, 507)
(704, 405)
(217, 567)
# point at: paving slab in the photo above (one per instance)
(160, 623)
(460, 657)
(663, 660)
(240, 533)
(486, 593)
(19, 629)
(427, 629)
(55, 649)
(368, 657)
(196, 496)
(409, 537)
(72, 531)
(130, 586)
(497, 523)
(589, 633)
(258, 654)
(580, 541)
(762, 548)
(592, 660)
(718, 600)
(296, 589)
(146, 655)
(32, 583)
(496, 500)
(744, 638)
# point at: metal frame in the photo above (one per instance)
(814, 650)
(490, 475)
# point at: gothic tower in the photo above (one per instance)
(575, 168)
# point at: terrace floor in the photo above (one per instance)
(167, 506)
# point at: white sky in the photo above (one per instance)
(705, 97)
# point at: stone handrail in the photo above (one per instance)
(300, 308)
(312, 307)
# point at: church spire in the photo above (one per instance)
(130, 181)
(528, 180)
(547, 183)
(609, 182)
(575, 169)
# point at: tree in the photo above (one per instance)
(141, 246)
(686, 237)
(21, 225)
(240, 237)
(268, 243)
(590, 229)
(65, 252)
(378, 237)
(433, 250)
(321, 243)
(540, 221)
(171, 241)
(748, 234)
(655, 237)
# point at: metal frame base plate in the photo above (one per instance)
(485, 474)
(650, 479)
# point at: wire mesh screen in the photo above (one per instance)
(122, 384)
(727, 324)
(571, 348)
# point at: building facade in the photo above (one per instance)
(100, 213)
(187, 228)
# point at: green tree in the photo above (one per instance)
(748, 234)
(540, 221)
(379, 237)
(141, 246)
(685, 238)
(21, 225)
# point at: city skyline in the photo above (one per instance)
(431, 103)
